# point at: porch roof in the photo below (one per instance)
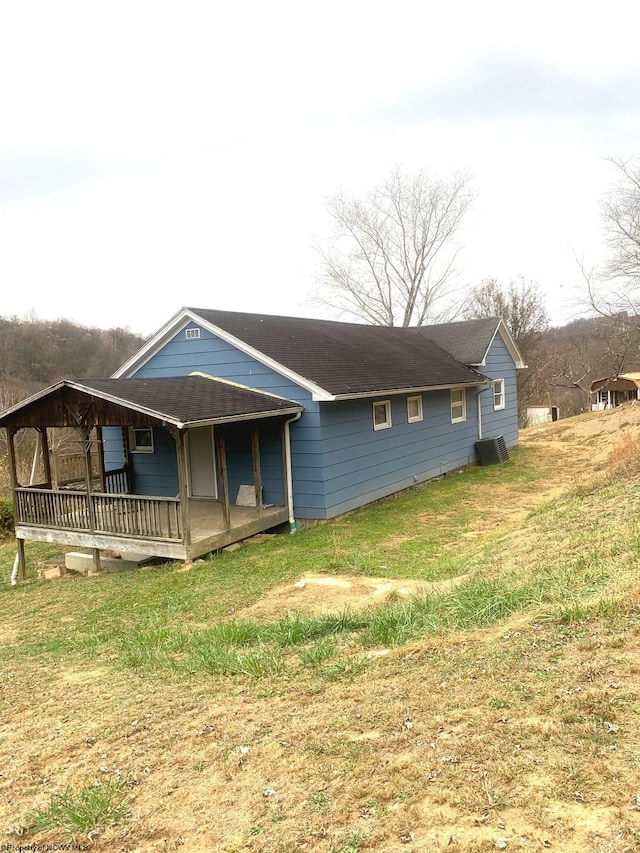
(621, 382)
(181, 401)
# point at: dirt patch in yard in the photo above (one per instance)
(313, 594)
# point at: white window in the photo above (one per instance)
(498, 394)
(458, 405)
(140, 440)
(192, 334)
(414, 409)
(382, 414)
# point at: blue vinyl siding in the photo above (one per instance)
(499, 365)
(113, 442)
(156, 473)
(363, 464)
(237, 439)
(151, 473)
(210, 354)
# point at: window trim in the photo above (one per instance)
(387, 421)
(457, 403)
(134, 447)
(192, 333)
(420, 416)
(497, 407)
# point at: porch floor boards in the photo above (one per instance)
(207, 521)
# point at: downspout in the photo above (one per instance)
(32, 479)
(287, 464)
(479, 402)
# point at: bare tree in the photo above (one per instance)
(614, 290)
(392, 258)
(519, 303)
(521, 306)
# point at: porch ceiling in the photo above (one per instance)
(181, 401)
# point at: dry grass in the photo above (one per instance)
(525, 730)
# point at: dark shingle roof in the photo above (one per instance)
(191, 398)
(466, 340)
(346, 358)
(178, 400)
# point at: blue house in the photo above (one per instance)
(228, 423)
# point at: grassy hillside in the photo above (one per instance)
(455, 668)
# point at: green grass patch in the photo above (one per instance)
(77, 812)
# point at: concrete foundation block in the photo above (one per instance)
(79, 562)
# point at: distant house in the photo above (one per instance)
(227, 423)
(609, 392)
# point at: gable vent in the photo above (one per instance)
(192, 334)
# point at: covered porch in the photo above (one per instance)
(613, 391)
(216, 453)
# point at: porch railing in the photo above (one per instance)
(117, 481)
(136, 516)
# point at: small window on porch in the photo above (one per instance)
(140, 440)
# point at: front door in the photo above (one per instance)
(202, 463)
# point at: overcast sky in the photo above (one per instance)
(155, 154)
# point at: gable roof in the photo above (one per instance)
(181, 401)
(469, 340)
(331, 359)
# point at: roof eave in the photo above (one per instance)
(32, 399)
(510, 343)
(414, 389)
(249, 416)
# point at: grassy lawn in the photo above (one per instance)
(149, 711)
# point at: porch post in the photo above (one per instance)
(183, 494)
(224, 479)
(11, 453)
(46, 457)
(101, 469)
(96, 560)
(22, 563)
(86, 443)
(257, 476)
(127, 459)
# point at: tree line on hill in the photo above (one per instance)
(35, 353)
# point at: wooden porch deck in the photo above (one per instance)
(147, 525)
